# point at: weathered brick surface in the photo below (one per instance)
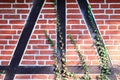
(13, 14)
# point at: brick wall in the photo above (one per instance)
(13, 14)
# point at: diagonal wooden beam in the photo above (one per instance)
(83, 4)
(24, 38)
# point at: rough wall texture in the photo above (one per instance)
(13, 14)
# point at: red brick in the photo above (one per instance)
(32, 52)
(49, 16)
(74, 16)
(3, 21)
(49, 62)
(96, 1)
(48, 26)
(5, 57)
(10, 11)
(73, 11)
(29, 0)
(20, 6)
(40, 47)
(3, 42)
(117, 11)
(4, 63)
(71, 1)
(39, 76)
(72, 6)
(114, 6)
(112, 1)
(104, 5)
(5, 37)
(78, 27)
(114, 16)
(42, 22)
(74, 32)
(101, 16)
(48, 6)
(98, 11)
(23, 11)
(48, 11)
(36, 42)
(17, 26)
(73, 22)
(94, 5)
(5, 5)
(17, 21)
(42, 57)
(41, 62)
(5, 27)
(12, 16)
(9, 47)
(22, 77)
(21, 1)
(28, 57)
(7, 32)
(28, 62)
(109, 11)
(7, 1)
(72, 58)
(112, 21)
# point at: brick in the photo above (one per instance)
(84, 37)
(72, 58)
(74, 16)
(112, 21)
(36, 42)
(28, 57)
(21, 1)
(20, 5)
(44, 52)
(10, 11)
(73, 11)
(7, 32)
(50, 16)
(7, 1)
(103, 27)
(48, 26)
(5, 26)
(4, 63)
(92, 58)
(41, 62)
(112, 1)
(22, 11)
(114, 6)
(5, 37)
(29, 1)
(5, 5)
(39, 76)
(42, 57)
(28, 62)
(3, 42)
(101, 16)
(94, 5)
(11, 16)
(72, 6)
(49, 62)
(72, 62)
(117, 11)
(40, 47)
(114, 16)
(48, 6)
(109, 11)
(48, 11)
(96, 1)
(30, 52)
(78, 27)
(6, 52)
(74, 32)
(9, 47)
(73, 22)
(3, 21)
(41, 21)
(22, 77)
(17, 21)
(71, 1)
(98, 11)
(104, 5)
(5, 57)
(113, 27)
(17, 26)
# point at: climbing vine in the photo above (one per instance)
(85, 67)
(101, 49)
